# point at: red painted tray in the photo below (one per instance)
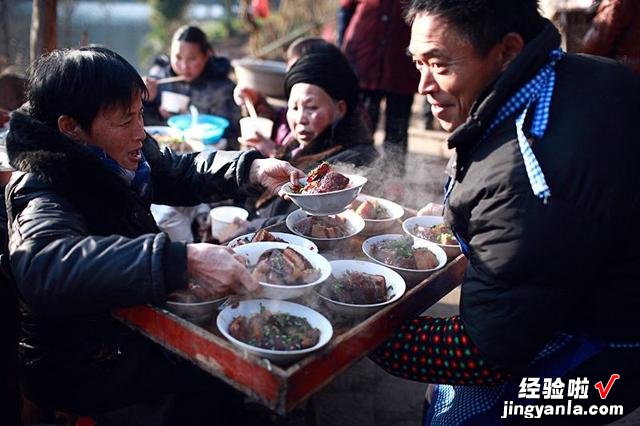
(283, 388)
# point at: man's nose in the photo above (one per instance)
(427, 83)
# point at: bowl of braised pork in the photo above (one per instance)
(284, 271)
(414, 259)
(196, 303)
(359, 288)
(275, 237)
(280, 331)
(433, 228)
(325, 231)
(325, 191)
(379, 214)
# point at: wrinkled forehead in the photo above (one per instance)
(434, 33)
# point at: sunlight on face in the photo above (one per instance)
(452, 74)
(310, 111)
(119, 132)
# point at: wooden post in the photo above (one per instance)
(43, 36)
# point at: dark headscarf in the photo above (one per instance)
(329, 71)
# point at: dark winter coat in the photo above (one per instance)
(572, 264)
(375, 42)
(211, 93)
(83, 243)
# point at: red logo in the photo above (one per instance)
(604, 391)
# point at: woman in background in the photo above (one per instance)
(206, 81)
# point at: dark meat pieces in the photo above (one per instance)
(284, 267)
(359, 288)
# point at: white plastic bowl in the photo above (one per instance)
(250, 307)
(327, 203)
(174, 102)
(379, 226)
(411, 276)
(222, 221)
(289, 238)
(252, 252)
(340, 267)
(452, 250)
(354, 222)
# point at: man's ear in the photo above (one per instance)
(70, 127)
(341, 108)
(511, 46)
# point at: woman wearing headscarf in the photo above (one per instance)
(325, 121)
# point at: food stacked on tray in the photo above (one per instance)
(288, 266)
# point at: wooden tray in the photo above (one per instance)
(283, 388)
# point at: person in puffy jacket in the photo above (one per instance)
(82, 240)
(206, 81)
(543, 198)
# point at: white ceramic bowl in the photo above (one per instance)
(340, 267)
(379, 226)
(452, 250)
(355, 223)
(252, 252)
(294, 240)
(411, 276)
(199, 313)
(327, 203)
(250, 307)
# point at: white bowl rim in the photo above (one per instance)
(369, 305)
(413, 221)
(195, 304)
(359, 227)
(322, 341)
(316, 260)
(432, 246)
(312, 246)
(371, 197)
(361, 182)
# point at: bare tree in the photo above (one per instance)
(43, 27)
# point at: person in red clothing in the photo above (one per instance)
(374, 37)
(615, 32)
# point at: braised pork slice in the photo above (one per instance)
(284, 267)
(264, 235)
(359, 288)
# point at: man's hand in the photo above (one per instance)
(243, 94)
(272, 174)
(431, 209)
(219, 268)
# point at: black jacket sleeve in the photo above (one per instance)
(60, 269)
(190, 179)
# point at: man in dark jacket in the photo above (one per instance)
(83, 241)
(545, 194)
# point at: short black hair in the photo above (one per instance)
(193, 34)
(484, 23)
(79, 83)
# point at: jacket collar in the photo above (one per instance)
(534, 55)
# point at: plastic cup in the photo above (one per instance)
(174, 102)
(249, 126)
(222, 221)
